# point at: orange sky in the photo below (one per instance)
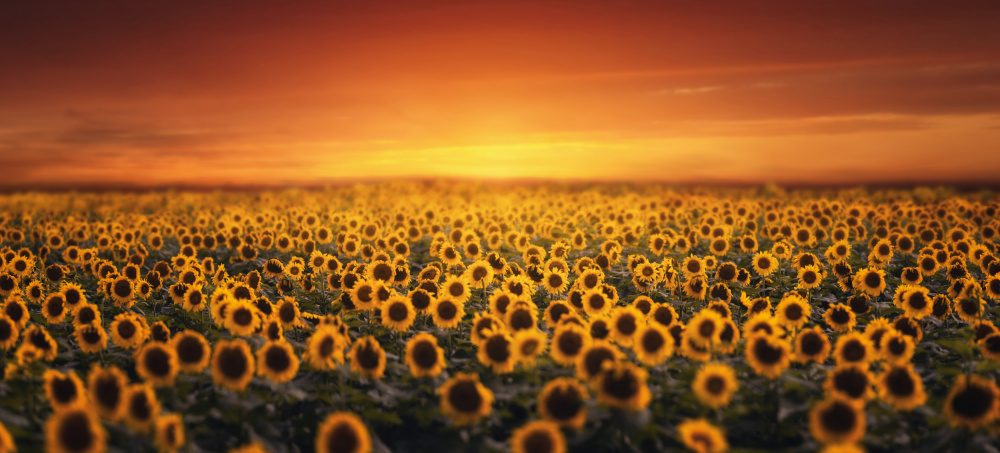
(239, 92)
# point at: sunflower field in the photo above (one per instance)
(541, 318)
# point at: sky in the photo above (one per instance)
(220, 93)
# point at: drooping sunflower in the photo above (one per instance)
(836, 421)
(157, 364)
(701, 436)
(622, 385)
(973, 402)
(568, 342)
(653, 344)
(141, 407)
(447, 312)
(75, 430)
(232, 364)
(767, 355)
(63, 390)
(793, 311)
(368, 358)
(840, 318)
(563, 401)
(714, 384)
(539, 436)
(465, 400)
(424, 357)
(901, 387)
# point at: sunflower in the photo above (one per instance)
(157, 364)
(901, 387)
(840, 318)
(764, 263)
(625, 324)
(556, 311)
(522, 315)
(692, 266)
(325, 348)
(811, 345)
(465, 400)
(398, 314)
(63, 390)
(363, 295)
(539, 436)
(909, 326)
(528, 345)
(696, 287)
(917, 303)
(54, 308)
(911, 276)
(850, 381)
(343, 432)
(622, 385)
(704, 327)
(714, 384)
(973, 402)
(75, 430)
(970, 309)
(663, 314)
(122, 292)
(767, 355)
(870, 280)
(34, 291)
(447, 313)
(169, 433)
(896, 347)
(479, 274)
(242, 318)
(276, 361)
(853, 347)
(368, 358)
(590, 279)
(424, 357)
(793, 311)
(192, 351)
(141, 407)
(837, 420)
(810, 277)
(456, 288)
(563, 401)
(496, 351)
(568, 342)
(232, 364)
(9, 334)
(595, 303)
(40, 339)
(990, 347)
(6, 441)
(701, 436)
(653, 344)
(382, 271)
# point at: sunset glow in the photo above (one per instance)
(241, 93)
